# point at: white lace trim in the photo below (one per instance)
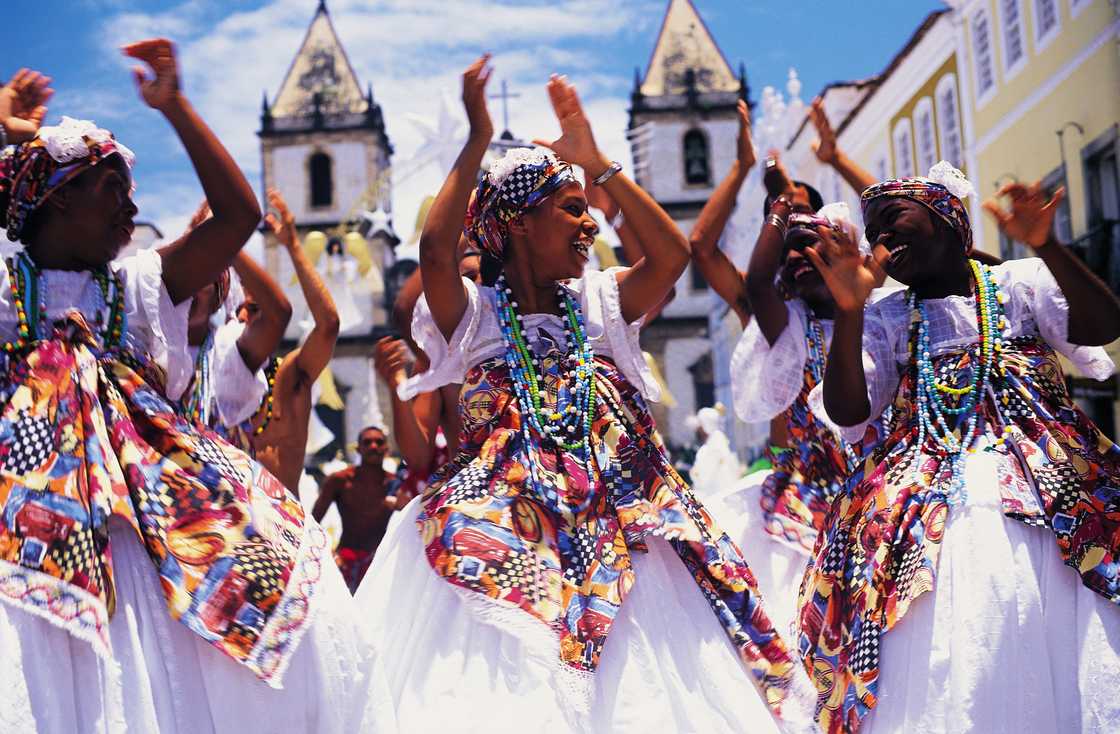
(66, 141)
(66, 606)
(946, 174)
(501, 169)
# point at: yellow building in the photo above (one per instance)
(1045, 105)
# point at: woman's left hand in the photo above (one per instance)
(1031, 216)
(576, 143)
(159, 54)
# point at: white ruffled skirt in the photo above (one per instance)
(778, 567)
(164, 679)
(667, 665)
(1009, 640)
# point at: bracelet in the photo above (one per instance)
(605, 176)
(618, 220)
(778, 223)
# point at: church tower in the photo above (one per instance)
(325, 149)
(683, 130)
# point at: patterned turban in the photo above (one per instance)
(32, 171)
(940, 192)
(515, 184)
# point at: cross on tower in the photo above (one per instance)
(505, 96)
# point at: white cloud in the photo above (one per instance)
(408, 50)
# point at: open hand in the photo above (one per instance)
(23, 104)
(283, 224)
(162, 90)
(825, 145)
(1031, 217)
(474, 98)
(576, 143)
(838, 259)
(745, 144)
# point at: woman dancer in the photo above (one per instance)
(117, 516)
(560, 501)
(777, 362)
(992, 490)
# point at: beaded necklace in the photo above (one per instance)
(200, 397)
(25, 279)
(270, 374)
(568, 425)
(936, 419)
(814, 338)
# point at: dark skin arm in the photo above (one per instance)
(263, 334)
(643, 286)
(707, 256)
(439, 260)
(829, 152)
(196, 259)
(315, 353)
(327, 494)
(1094, 311)
(408, 428)
(766, 260)
(850, 279)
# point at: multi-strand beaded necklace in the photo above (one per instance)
(814, 338)
(567, 424)
(938, 420)
(25, 279)
(269, 398)
(201, 395)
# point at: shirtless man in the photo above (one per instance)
(280, 430)
(359, 492)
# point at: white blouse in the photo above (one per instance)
(154, 325)
(236, 393)
(766, 378)
(1035, 307)
(478, 337)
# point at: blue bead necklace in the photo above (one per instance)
(936, 419)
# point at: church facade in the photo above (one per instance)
(325, 148)
(683, 131)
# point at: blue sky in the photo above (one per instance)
(412, 51)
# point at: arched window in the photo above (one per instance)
(925, 136)
(322, 184)
(949, 120)
(697, 168)
(903, 149)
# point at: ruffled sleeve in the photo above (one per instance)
(766, 378)
(1031, 285)
(156, 324)
(449, 360)
(882, 328)
(603, 309)
(237, 391)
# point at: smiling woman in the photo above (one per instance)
(172, 578)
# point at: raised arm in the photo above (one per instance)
(202, 254)
(828, 152)
(707, 256)
(850, 280)
(23, 105)
(761, 282)
(642, 286)
(262, 335)
(1094, 310)
(315, 353)
(439, 260)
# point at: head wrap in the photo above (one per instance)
(940, 192)
(32, 171)
(523, 178)
(836, 216)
